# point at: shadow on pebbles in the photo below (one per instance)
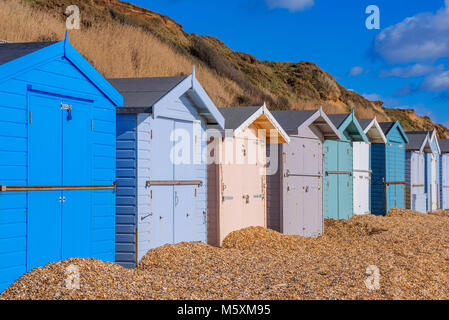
(404, 255)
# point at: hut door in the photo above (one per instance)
(184, 195)
(417, 192)
(345, 167)
(433, 181)
(361, 177)
(331, 181)
(395, 176)
(253, 179)
(44, 169)
(293, 176)
(231, 188)
(59, 155)
(312, 166)
(445, 181)
(161, 196)
(338, 180)
(76, 168)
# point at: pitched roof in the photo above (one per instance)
(13, 51)
(292, 119)
(235, 116)
(144, 92)
(416, 140)
(444, 145)
(338, 119)
(364, 123)
(386, 126)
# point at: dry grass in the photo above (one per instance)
(115, 50)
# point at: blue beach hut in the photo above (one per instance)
(388, 165)
(161, 165)
(57, 158)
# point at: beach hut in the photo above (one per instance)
(161, 171)
(237, 170)
(57, 158)
(362, 165)
(338, 167)
(444, 173)
(388, 165)
(295, 182)
(415, 170)
(432, 173)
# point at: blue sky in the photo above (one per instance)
(405, 63)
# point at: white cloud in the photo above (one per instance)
(357, 70)
(372, 96)
(422, 37)
(291, 5)
(416, 70)
(436, 82)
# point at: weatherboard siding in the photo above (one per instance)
(126, 205)
(378, 178)
(56, 75)
(143, 193)
(274, 187)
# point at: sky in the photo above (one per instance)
(405, 62)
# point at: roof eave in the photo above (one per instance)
(327, 122)
(376, 124)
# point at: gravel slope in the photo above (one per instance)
(411, 251)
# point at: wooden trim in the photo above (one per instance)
(418, 185)
(173, 183)
(4, 188)
(395, 182)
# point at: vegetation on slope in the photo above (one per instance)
(124, 40)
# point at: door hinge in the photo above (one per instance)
(91, 125)
(195, 193)
(151, 134)
(151, 194)
(31, 117)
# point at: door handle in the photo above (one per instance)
(176, 198)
